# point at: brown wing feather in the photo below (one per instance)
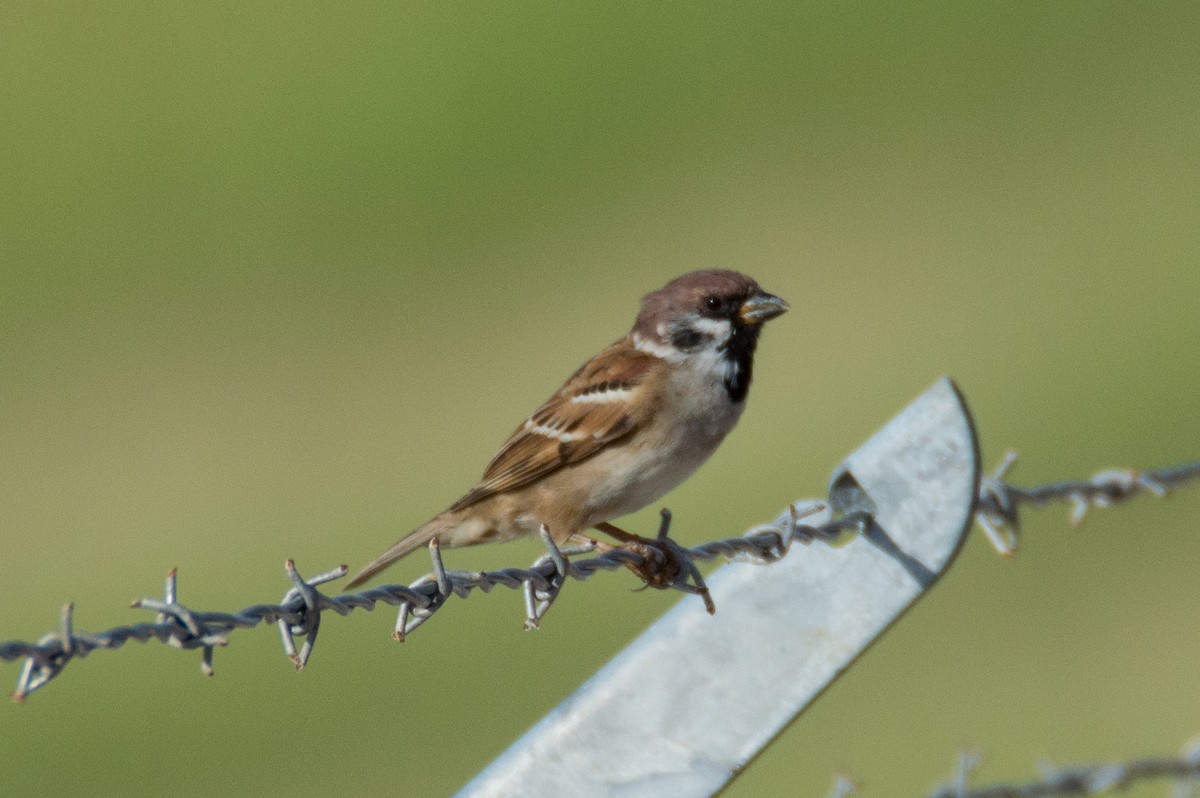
(581, 428)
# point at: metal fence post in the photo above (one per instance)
(691, 702)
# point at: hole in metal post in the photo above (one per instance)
(847, 496)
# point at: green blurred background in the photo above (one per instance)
(279, 278)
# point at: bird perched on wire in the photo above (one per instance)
(628, 426)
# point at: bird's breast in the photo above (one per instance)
(694, 416)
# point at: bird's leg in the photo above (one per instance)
(661, 566)
(619, 534)
(589, 543)
(665, 564)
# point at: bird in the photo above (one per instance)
(626, 428)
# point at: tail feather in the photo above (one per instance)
(404, 546)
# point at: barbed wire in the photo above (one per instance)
(1184, 770)
(998, 505)
(1094, 779)
(661, 562)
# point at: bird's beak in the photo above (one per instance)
(761, 307)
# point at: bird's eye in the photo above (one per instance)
(713, 303)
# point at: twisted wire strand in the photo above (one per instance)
(997, 510)
(1079, 779)
(661, 562)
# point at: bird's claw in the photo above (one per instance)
(659, 566)
(663, 563)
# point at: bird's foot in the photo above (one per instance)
(662, 563)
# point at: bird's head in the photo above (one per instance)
(706, 309)
(714, 312)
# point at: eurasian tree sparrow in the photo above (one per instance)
(627, 427)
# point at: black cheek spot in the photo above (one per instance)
(686, 339)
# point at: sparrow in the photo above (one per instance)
(627, 427)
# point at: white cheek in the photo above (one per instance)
(661, 351)
(712, 365)
(717, 329)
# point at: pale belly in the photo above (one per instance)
(626, 479)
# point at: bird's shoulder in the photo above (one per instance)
(606, 399)
(620, 366)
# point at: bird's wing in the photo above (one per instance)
(604, 401)
(601, 403)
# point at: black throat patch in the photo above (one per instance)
(739, 356)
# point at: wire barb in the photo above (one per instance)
(1079, 779)
(539, 596)
(184, 629)
(37, 671)
(314, 603)
(436, 588)
(997, 511)
(843, 786)
(670, 565)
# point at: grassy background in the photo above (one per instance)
(277, 280)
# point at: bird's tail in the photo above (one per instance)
(401, 548)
